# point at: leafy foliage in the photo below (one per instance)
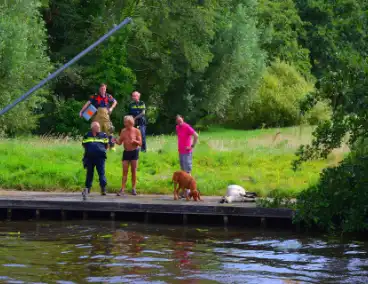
(337, 38)
(23, 62)
(339, 201)
(282, 28)
(276, 102)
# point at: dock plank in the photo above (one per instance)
(163, 204)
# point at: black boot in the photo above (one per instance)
(103, 191)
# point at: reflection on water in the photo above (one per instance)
(104, 252)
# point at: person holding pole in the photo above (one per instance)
(137, 109)
(105, 104)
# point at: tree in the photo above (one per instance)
(338, 41)
(282, 29)
(23, 62)
(340, 62)
(235, 72)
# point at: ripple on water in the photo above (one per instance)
(149, 259)
(158, 255)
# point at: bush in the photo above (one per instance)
(63, 118)
(277, 102)
(339, 201)
(281, 90)
(320, 112)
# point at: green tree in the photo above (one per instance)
(337, 36)
(235, 72)
(23, 62)
(340, 62)
(282, 28)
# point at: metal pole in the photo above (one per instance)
(61, 69)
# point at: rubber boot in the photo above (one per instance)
(111, 143)
(85, 193)
(103, 191)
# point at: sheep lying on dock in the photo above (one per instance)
(236, 193)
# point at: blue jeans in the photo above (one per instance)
(142, 128)
(186, 162)
(99, 163)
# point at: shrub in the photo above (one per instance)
(277, 102)
(63, 118)
(339, 201)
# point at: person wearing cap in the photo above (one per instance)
(137, 109)
(105, 104)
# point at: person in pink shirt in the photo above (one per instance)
(187, 139)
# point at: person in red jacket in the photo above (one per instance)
(105, 104)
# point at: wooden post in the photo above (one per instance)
(185, 219)
(226, 220)
(8, 214)
(63, 215)
(263, 222)
(147, 218)
(85, 215)
(38, 214)
(112, 216)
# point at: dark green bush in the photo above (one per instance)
(62, 117)
(276, 103)
(339, 201)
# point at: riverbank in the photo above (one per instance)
(259, 160)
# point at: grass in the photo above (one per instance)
(258, 160)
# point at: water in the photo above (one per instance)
(105, 252)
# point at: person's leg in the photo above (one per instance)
(90, 166)
(90, 174)
(110, 133)
(100, 165)
(134, 165)
(142, 128)
(124, 178)
(189, 163)
(181, 161)
(103, 118)
(187, 167)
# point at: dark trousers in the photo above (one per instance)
(142, 128)
(111, 144)
(99, 164)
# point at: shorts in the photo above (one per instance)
(186, 162)
(131, 155)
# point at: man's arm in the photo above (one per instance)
(139, 140)
(140, 115)
(84, 108)
(195, 139)
(121, 138)
(113, 106)
(106, 138)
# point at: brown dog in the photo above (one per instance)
(183, 181)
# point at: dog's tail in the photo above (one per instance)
(199, 195)
(174, 178)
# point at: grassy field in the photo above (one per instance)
(259, 160)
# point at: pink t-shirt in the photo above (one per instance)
(184, 132)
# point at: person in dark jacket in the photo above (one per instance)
(95, 144)
(137, 109)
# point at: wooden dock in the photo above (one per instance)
(36, 205)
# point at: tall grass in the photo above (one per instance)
(258, 160)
